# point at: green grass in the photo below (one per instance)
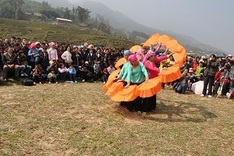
(39, 31)
(77, 119)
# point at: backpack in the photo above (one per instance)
(27, 82)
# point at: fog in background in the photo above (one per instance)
(209, 21)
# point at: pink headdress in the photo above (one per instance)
(148, 55)
(140, 54)
(132, 58)
(52, 44)
(33, 46)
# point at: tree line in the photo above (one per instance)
(21, 9)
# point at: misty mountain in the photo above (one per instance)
(57, 3)
(127, 25)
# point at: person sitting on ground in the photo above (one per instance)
(186, 81)
(72, 73)
(63, 72)
(1, 75)
(38, 74)
(110, 69)
(199, 69)
(10, 63)
(25, 69)
(52, 77)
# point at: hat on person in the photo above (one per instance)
(85, 44)
(213, 55)
(190, 70)
(86, 62)
(33, 46)
(203, 57)
(132, 58)
(20, 51)
(201, 61)
(127, 52)
(52, 44)
(90, 46)
(149, 54)
(229, 55)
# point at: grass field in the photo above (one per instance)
(39, 31)
(77, 119)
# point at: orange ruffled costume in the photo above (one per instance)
(116, 90)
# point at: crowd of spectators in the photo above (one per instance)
(216, 73)
(52, 62)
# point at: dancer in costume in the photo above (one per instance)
(136, 74)
(149, 103)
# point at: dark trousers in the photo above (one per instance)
(72, 77)
(148, 104)
(63, 76)
(208, 81)
(134, 105)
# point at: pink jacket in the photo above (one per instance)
(159, 59)
(153, 71)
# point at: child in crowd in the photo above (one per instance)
(104, 75)
(96, 69)
(63, 72)
(38, 74)
(72, 72)
(52, 77)
(1, 75)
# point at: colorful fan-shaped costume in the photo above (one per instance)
(116, 90)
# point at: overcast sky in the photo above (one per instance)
(209, 21)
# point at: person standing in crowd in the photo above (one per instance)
(209, 74)
(91, 57)
(32, 53)
(199, 69)
(97, 70)
(67, 56)
(52, 52)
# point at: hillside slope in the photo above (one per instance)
(37, 31)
